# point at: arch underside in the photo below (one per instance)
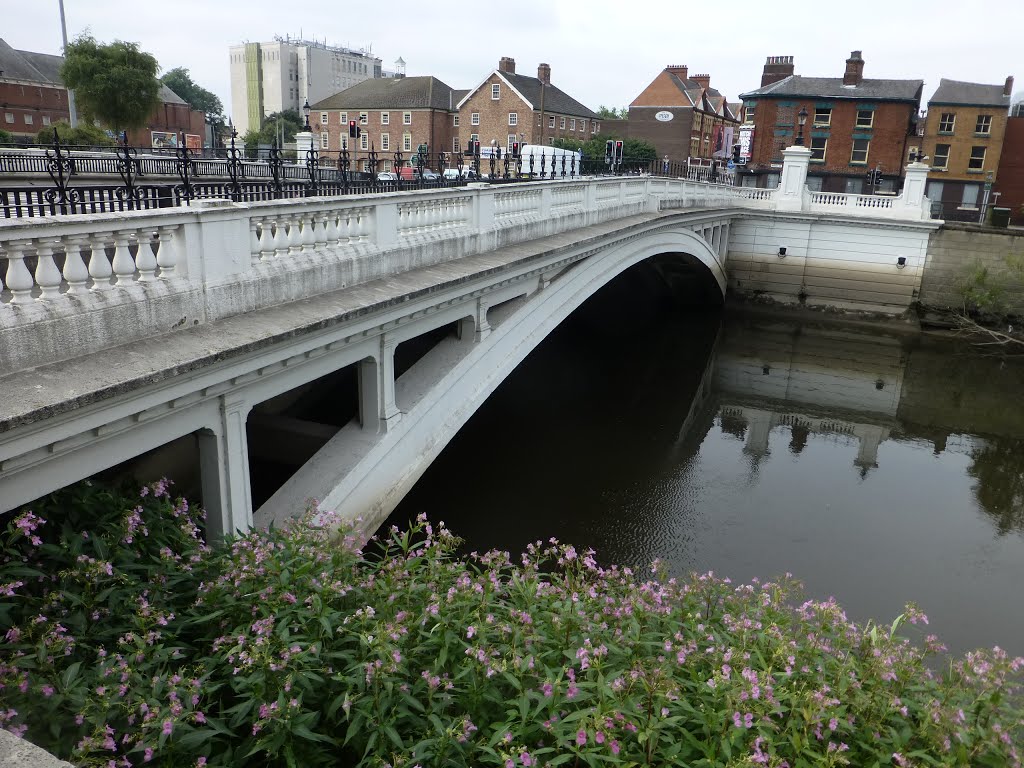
(369, 487)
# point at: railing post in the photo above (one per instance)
(914, 183)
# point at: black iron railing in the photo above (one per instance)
(54, 179)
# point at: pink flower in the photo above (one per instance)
(168, 727)
(547, 689)
(470, 631)
(599, 737)
(615, 747)
(581, 738)
(526, 759)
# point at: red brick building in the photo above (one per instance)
(507, 107)
(1010, 181)
(394, 114)
(683, 116)
(853, 125)
(33, 97)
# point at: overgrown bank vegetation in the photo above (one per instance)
(129, 641)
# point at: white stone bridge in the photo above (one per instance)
(120, 333)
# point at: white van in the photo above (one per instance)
(552, 157)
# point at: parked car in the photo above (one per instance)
(387, 176)
(453, 173)
(429, 175)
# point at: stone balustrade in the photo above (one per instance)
(70, 285)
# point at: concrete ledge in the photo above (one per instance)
(18, 753)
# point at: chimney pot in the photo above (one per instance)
(776, 68)
(1008, 88)
(507, 64)
(679, 70)
(544, 73)
(704, 81)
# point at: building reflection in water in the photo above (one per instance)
(867, 389)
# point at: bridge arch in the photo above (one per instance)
(373, 486)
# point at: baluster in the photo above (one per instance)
(308, 237)
(99, 264)
(19, 279)
(145, 260)
(167, 251)
(358, 226)
(332, 230)
(75, 272)
(47, 275)
(124, 264)
(266, 247)
(280, 238)
(254, 239)
(321, 232)
(294, 235)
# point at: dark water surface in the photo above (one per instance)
(876, 468)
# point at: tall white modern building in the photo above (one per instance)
(283, 74)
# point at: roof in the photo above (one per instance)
(833, 88)
(425, 92)
(692, 94)
(45, 68)
(556, 100)
(956, 92)
(29, 66)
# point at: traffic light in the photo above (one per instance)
(476, 147)
(736, 153)
(609, 149)
(515, 149)
(353, 129)
(878, 177)
(618, 152)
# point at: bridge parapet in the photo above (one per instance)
(74, 284)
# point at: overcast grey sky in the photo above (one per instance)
(600, 51)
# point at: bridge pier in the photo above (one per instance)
(378, 411)
(224, 470)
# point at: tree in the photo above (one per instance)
(6, 137)
(85, 135)
(612, 113)
(197, 97)
(632, 149)
(114, 83)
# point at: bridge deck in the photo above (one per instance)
(47, 391)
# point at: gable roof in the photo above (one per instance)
(833, 88)
(529, 88)
(29, 66)
(424, 92)
(957, 92)
(690, 93)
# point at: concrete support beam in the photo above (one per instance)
(224, 467)
(378, 411)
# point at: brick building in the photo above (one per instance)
(508, 107)
(963, 137)
(1010, 184)
(33, 97)
(394, 115)
(853, 125)
(683, 116)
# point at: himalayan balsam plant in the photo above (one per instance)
(129, 641)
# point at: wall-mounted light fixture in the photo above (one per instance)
(879, 385)
(765, 370)
(901, 262)
(782, 252)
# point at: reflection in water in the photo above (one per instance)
(998, 466)
(879, 469)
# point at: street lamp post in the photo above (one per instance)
(305, 113)
(801, 119)
(72, 112)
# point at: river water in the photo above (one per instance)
(876, 467)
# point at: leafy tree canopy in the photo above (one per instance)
(291, 122)
(181, 82)
(6, 137)
(633, 149)
(85, 134)
(114, 83)
(611, 113)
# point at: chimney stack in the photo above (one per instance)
(544, 73)
(679, 70)
(1008, 88)
(854, 69)
(704, 81)
(507, 64)
(776, 68)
